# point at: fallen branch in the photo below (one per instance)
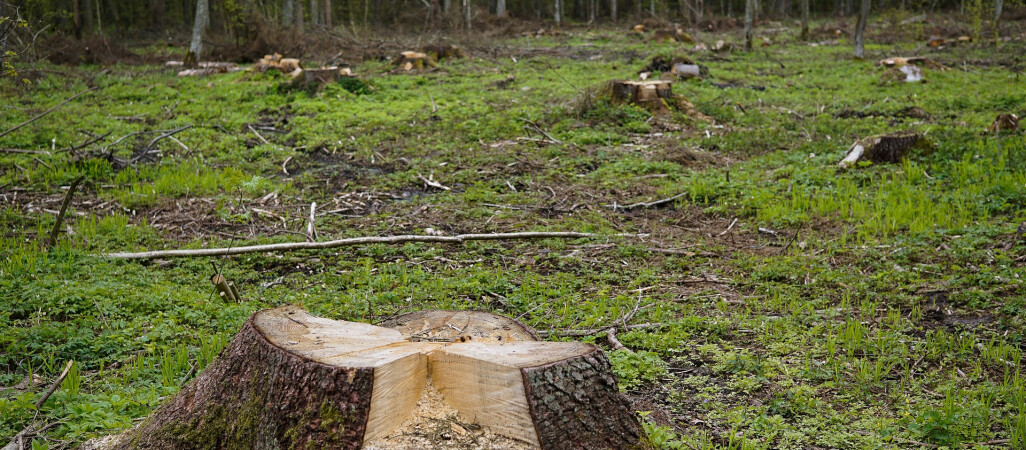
(44, 113)
(614, 342)
(52, 239)
(289, 246)
(648, 204)
(56, 384)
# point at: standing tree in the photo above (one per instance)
(612, 10)
(805, 20)
(202, 19)
(558, 12)
(998, 4)
(299, 15)
(860, 30)
(287, 9)
(326, 15)
(500, 8)
(314, 10)
(749, 10)
(466, 14)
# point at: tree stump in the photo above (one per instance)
(413, 61)
(889, 148)
(292, 380)
(443, 51)
(307, 78)
(653, 95)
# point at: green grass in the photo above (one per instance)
(884, 306)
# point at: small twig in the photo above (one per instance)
(402, 239)
(52, 239)
(258, 135)
(44, 113)
(311, 232)
(28, 152)
(729, 227)
(539, 129)
(284, 163)
(433, 183)
(167, 134)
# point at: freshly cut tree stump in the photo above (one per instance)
(443, 51)
(413, 62)
(292, 380)
(318, 77)
(654, 95)
(887, 148)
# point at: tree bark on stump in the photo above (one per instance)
(292, 380)
(887, 148)
(413, 61)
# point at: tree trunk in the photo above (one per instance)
(292, 380)
(591, 11)
(860, 30)
(612, 10)
(998, 4)
(76, 18)
(805, 20)
(500, 8)
(298, 15)
(749, 10)
(652, 7)
(557, 14)
(158, 11)
(314, 13)
(88, 22)
(467, 16)
(192, 59)
(287, 12)
(326, 18)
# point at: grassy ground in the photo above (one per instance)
(805, 306)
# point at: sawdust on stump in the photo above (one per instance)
(437, 425)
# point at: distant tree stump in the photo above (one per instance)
(886, 148)
(292, 380)
(443, 51)
(307, 78)
(413, 62)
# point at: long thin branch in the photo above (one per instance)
(649, 204)
(52, 239)
(355, 241)
(44, 113)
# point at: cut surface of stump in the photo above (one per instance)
(293, 380)
(413, 62)
(887, 148)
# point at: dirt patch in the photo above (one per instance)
(939, 312)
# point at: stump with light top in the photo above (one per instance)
(293, 380)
